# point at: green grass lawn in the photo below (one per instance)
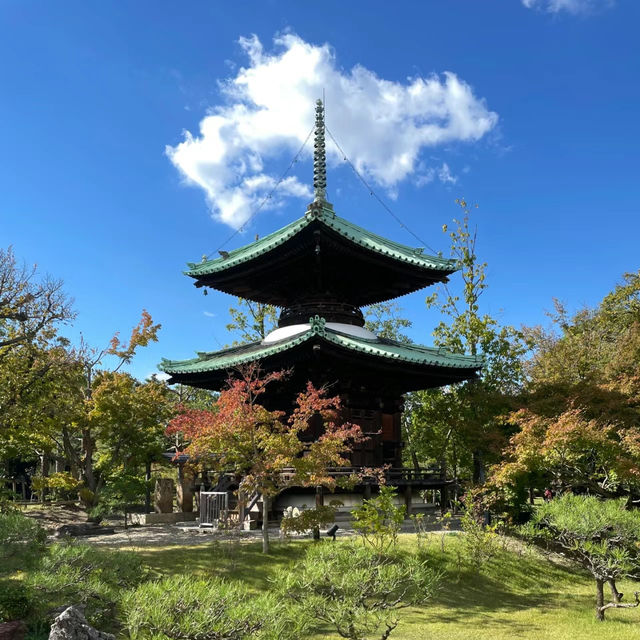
(518, 594)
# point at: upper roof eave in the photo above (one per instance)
(324, 214)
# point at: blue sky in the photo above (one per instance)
(529, 108)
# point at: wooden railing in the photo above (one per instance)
(393, 476)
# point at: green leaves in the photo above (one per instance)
(354, 589)
(378, 520)
(188, 608)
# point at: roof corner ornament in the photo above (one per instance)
(318, 327)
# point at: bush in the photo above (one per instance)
(21, 541)
(79, 574)
(15, 600)
(480, 542)
(355, 589)
(62, 483)
(307, 520)
(187, 607)
(378, 520)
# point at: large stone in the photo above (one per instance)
(185, 489)
(163, 495)
(72, 625)
(15, 630)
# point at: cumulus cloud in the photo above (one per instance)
(570, 6)
(268, 110)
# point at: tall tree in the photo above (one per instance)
(386, 321)
(464, 416)
(252, 321)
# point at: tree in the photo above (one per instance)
(386, 321)
(472, 407)
(32, 355)
(252, 321)
(602, 535)
(355, 590)
(240, 435)
(579, 420)
(31, 307)
(143, 333)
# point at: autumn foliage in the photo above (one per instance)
(240, 435)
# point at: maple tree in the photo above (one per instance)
(579, 420)
(240, 435)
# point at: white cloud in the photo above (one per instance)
(158, 375)
(570, 6)
(382, 125)
(425, 175)
(209, 314)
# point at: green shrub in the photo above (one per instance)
(356, 590)
(307, 520)
(21, 541)
(73, 573)
(480, 542)
(62, 483)
(15, 600)
(378, 520)
(187, 607)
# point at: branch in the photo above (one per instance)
(618, 605)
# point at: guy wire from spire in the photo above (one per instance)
(266, 198)
(376, 196)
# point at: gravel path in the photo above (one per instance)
(181, 534)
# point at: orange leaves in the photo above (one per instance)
(143, 333)
(241, 435)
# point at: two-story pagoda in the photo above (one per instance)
(319, 271)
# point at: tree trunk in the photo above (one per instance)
(87, 464)
(599, 599)
(478, 468)
(71, 454)
(616, 596)
(319, 503)
(44, 472)
(265, 524)
(147, 489)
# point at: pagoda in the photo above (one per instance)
(319, 271)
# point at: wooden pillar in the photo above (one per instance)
(408, 494)
(444, 498)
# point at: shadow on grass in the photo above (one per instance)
(511, 580)
(225, 559)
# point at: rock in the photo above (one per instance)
(163, 495)
(85, 529)
(15, 630)
(72, 625)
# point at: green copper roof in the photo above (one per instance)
(325, 214)
(382, 348)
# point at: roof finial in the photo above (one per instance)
(319, 157)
